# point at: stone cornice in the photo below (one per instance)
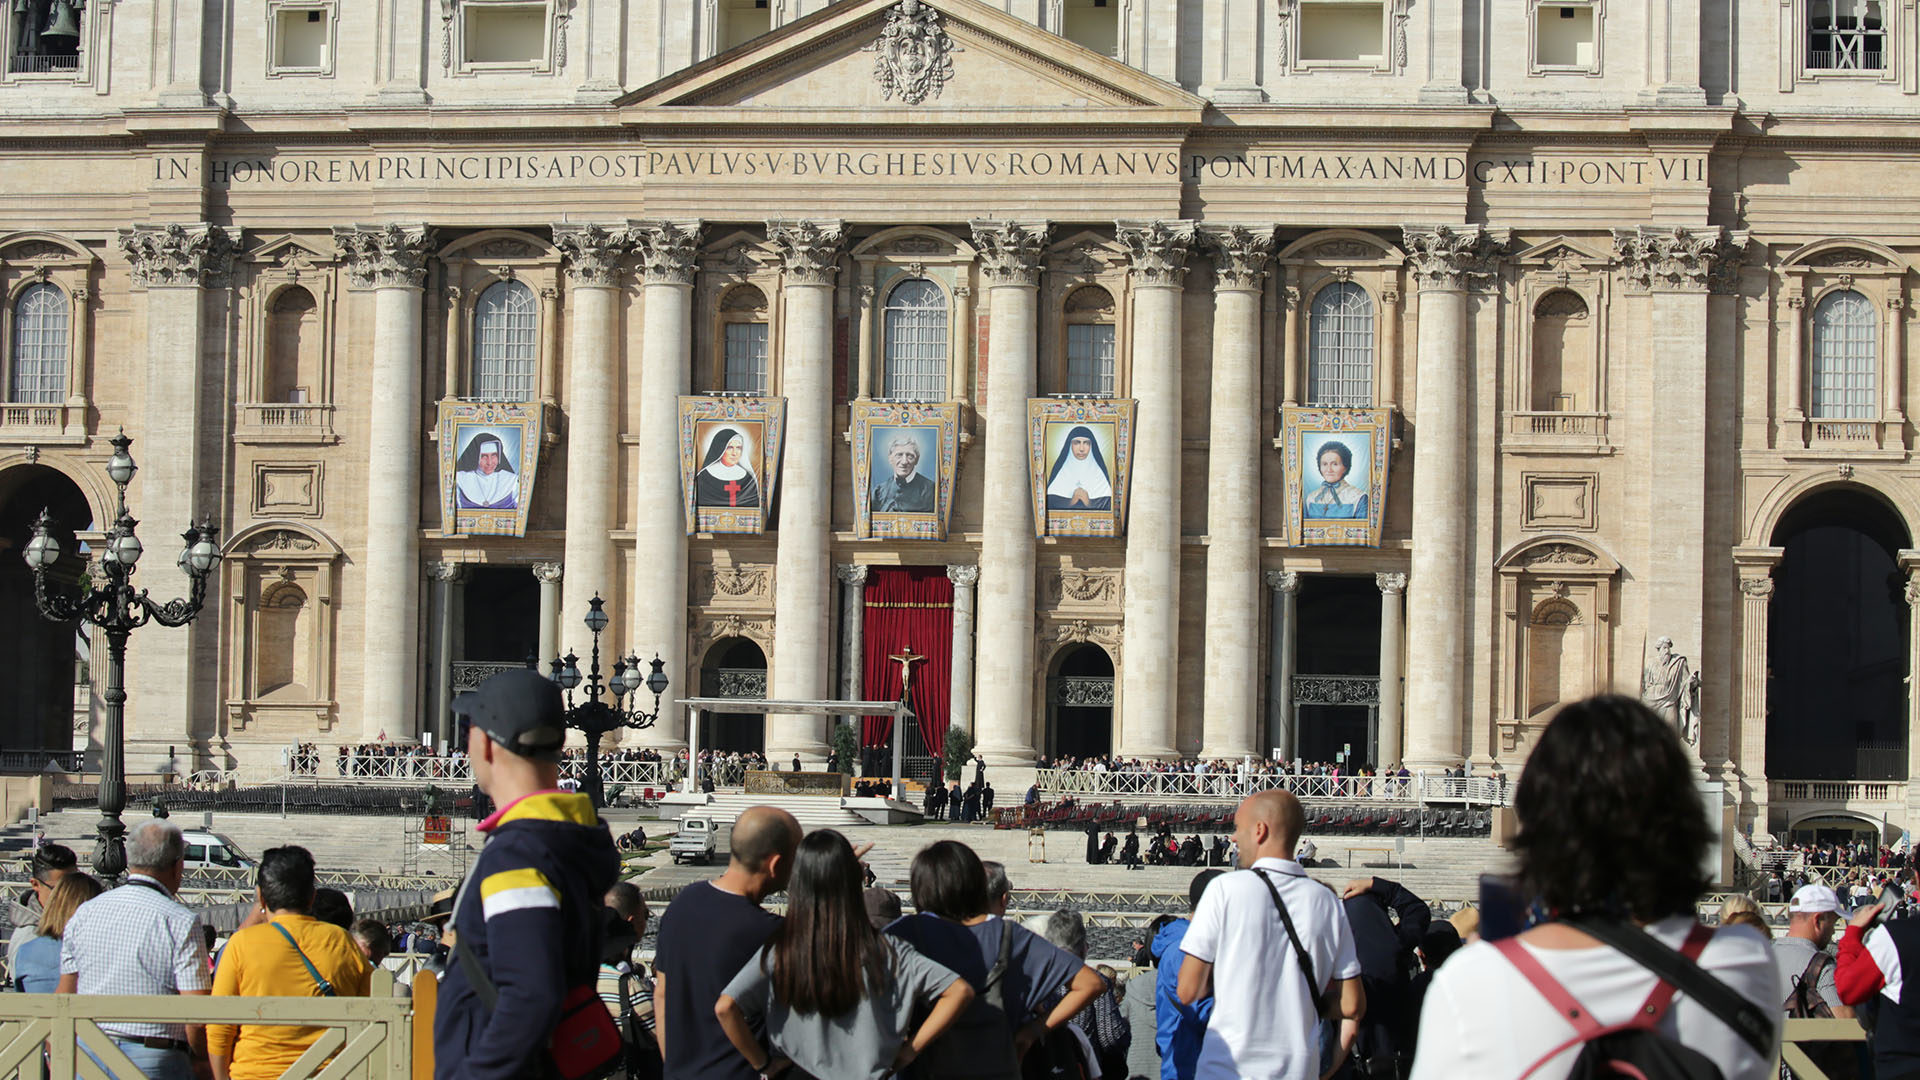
(1454, 257)
(593, 253)
(179, 255)
(1157, 249)
(1240, 254)
(1680, 259)
(809, 250)
(668, 250)
(385, 256)
(1010, 252)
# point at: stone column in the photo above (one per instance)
(550, 575)
(1678, 268)
(442, 577)
(853, 628)
(659, 597)
(1292, 331)
(802, 585)
(174, 264)
(1231, 717)
(960, 700)
(1390, 347)
(1896, 367)
(1794, 394)
(1756, 596)
(1285, 587)
(1149, 682)
(1446, 262)
(1010, 260)
(392, 261)
(1392, 640)
(594, 254)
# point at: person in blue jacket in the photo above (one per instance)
(536, 890)
(1181, 1027)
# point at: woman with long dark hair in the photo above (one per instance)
(837, 996)
(1612, 840)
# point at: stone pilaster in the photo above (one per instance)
(174, 265)
(960, 699)
(1387, 754)
(802, 590)
(594, 255)
(1756, 597)
(658, 614)
(392, 261)
(1010, 261)
(1231, 717)
(1284, 585)
(1150, 677)
(1446, 262)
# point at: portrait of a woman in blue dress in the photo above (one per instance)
(1333, 497)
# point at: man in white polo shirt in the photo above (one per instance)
(1267, 1003)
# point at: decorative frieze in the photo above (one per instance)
(1157, 249)
(1075, 586)
(385, 256)
(1239, 255)
(667, 250)
(913, 56)
(1010, 252)
(1453, 257)
(593, 253)
(179, 255)
(1680, 259)
(809, 250)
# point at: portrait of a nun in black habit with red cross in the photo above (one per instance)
(725, 478)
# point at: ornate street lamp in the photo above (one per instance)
(111, 603)
(595, 717)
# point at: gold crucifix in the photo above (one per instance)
(906, 658)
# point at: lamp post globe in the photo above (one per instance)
(596, 717)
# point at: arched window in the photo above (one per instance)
(1844, 355)
(1340, 347)
(743, 340)
(39, 366)
(916, 342)
(505, 343)
(1090, 342)
(293, 347)
(1562, 354)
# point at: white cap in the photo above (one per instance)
(1814, 899)
(490, 447)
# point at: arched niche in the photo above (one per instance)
(1556, 633)
(281, 578)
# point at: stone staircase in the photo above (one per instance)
(812, 811)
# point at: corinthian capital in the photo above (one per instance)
(963, 575)
(1453, 256)
(1394, 583)
(1679, 259)
(593, 252)
(1239, 255)
(666, 250)
(179, 255)
(1010, 251)
(1158, 249)
(385, 256)
(810, 250)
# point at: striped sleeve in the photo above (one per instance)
(516, 890)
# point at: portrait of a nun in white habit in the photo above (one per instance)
(484, 476)
(1079, 479)
(724, 478)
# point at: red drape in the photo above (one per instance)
(908, 607)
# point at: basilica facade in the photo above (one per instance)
(1336, 379)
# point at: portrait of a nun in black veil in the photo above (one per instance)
(724, 478)
(1079, 480)
(484, 477)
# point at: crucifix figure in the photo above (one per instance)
(906, 658)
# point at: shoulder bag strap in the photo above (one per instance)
(995, 990)
(1744, 1017)
(1299, 950)
(326, 988)
(476, 976)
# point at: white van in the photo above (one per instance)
(215, 851)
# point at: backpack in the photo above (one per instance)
(947, 1056)
(1636, 1047)
(1055, 1057)
(1805, 1002)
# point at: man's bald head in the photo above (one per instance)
(761, 833)
(1268, 825)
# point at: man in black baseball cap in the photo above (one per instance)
(529, 914)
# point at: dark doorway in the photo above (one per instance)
(734, 668)
(1837, 642)
(1337, 657)
(1080, 703)
(500, 616)
(40, 657)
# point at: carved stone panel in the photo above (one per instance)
(1075, 586)
(1559, 500)
(745, 584)
(287, 489)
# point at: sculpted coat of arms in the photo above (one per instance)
(913, 54)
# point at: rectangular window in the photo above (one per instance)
(1564, 37)
(46, 37)
(1090, 359)
(1846, 35)
(746, 367)
(513, 34)
(744, 20)
(1342, 32)
(302, 40)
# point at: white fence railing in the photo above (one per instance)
(421, 769)
(1420, 789)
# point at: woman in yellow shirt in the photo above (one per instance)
(289, 954)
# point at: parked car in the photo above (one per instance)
(693, 840)
(212, 850)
